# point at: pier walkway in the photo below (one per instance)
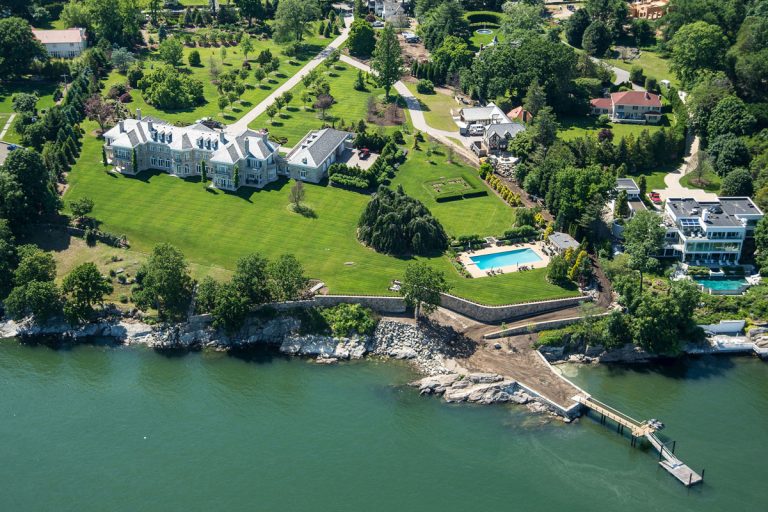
(646, 429)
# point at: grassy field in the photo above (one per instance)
(214, 229)
(485, 216)
(437, 108)
(44, 90)
(653, 66)
(255, 92)
(573, 127)
(297, 118)
(711, 182)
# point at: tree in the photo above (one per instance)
(306, 97)
(251, 279)
(18, 47)
(557, 270)
(34, 265)
(259, 74)
(644, 239)
(636, 75)
(230, 308)
(575, 27)
(612, 13)
(362, 40)
(749, 56)
(286, 278)
(194, 58)
(444, 20)
(738, 183)
(453, 55)
(535, 98)
(292, 19)
(8, 258)
(621, 209)
(696, 47)
(41, 299)
(581, 271)
(122, 59)
(27, 190)
(296, 194)
(271, 112)
(100, 110)
(323, 103)
(596, 39)
(730, 115)
(545, 127)
(761, 245)
(728, 151)
(387, 59)
(521, 19)
(81, 207)
(165, 283)
(25, 103)
(246, 45)
(250, 9)
(422, 287)
(84, 287)
(167, 89)
(171, 52)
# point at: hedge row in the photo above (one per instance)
(455, 196)
(483, 17)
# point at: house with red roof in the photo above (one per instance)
(638, 107)
(520, 114)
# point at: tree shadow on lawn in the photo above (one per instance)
(53, 238)
(145, 176)
(264, 87)
(281, 75)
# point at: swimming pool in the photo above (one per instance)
(721, 284)
(505, 259)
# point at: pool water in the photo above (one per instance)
(717, 284)
(505, 259)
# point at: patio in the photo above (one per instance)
(466, 259)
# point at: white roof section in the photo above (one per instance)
(563, 241)
(316, 147)
(69, 35)
(489, 112)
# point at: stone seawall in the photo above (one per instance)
(538, 326)
(509, 312)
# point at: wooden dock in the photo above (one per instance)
(646, 429)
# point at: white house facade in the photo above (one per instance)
(636, 107)
(310, 159)
(63, 44)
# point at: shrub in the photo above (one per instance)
(134, 75)
(554, 338)
(697, 271)
(126, 98)
(194, 58)
(167, 89)
(425, 87)
(349, 319)
(520, 232)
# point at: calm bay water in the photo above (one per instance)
(125, 429)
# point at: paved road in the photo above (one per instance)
(417, 116)
(289, 84)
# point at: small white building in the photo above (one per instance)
(310, 159)
(63, 44)
(487, 115)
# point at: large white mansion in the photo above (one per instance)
(230, 161)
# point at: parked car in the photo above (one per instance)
(377, 24)
(365, 153)
(12, 147)
(476, 129)
(655, 197)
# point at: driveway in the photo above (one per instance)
(3, 152)
(289, 84)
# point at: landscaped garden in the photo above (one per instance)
(217, 60)
(573, 127)
(349, 105)
(708, 180)
(215, 229)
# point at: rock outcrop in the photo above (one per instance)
(479, 388)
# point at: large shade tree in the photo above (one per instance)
(387, 59)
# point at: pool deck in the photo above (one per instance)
(474, 271)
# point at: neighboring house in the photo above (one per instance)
(497, 136)
(558, 243)
(388, 9)
(648, 9)
(708, 232)
(520, 114)
(638, 107)
(629, 186)
(63, 44)
(490, 114)
(310, 159)
(231, 161)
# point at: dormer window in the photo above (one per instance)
(170, 137)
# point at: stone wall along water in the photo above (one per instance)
(508, 312)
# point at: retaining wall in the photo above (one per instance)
(508, 312)
(538, 326)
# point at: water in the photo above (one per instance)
(125, 429)
(505, 259)
(725, 284)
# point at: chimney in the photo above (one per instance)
(138, 114)
(149, 125)
(247, 146)
(121, 124)
(221, 137)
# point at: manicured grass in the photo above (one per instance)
(485, 215)
(653, 66)
(216, 228)
(254, 93)
(574, 127)
(437, 108)
(44, 90)
(654, 180)
(711, 182)
(296, 119)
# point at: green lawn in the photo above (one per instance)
(653, 179)
(216, 228)
(254, 93)
(653, 66)
(297, 118)
(574, 127)
(711, 182)
(485, 216)
(43, 89)
(437, 108)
